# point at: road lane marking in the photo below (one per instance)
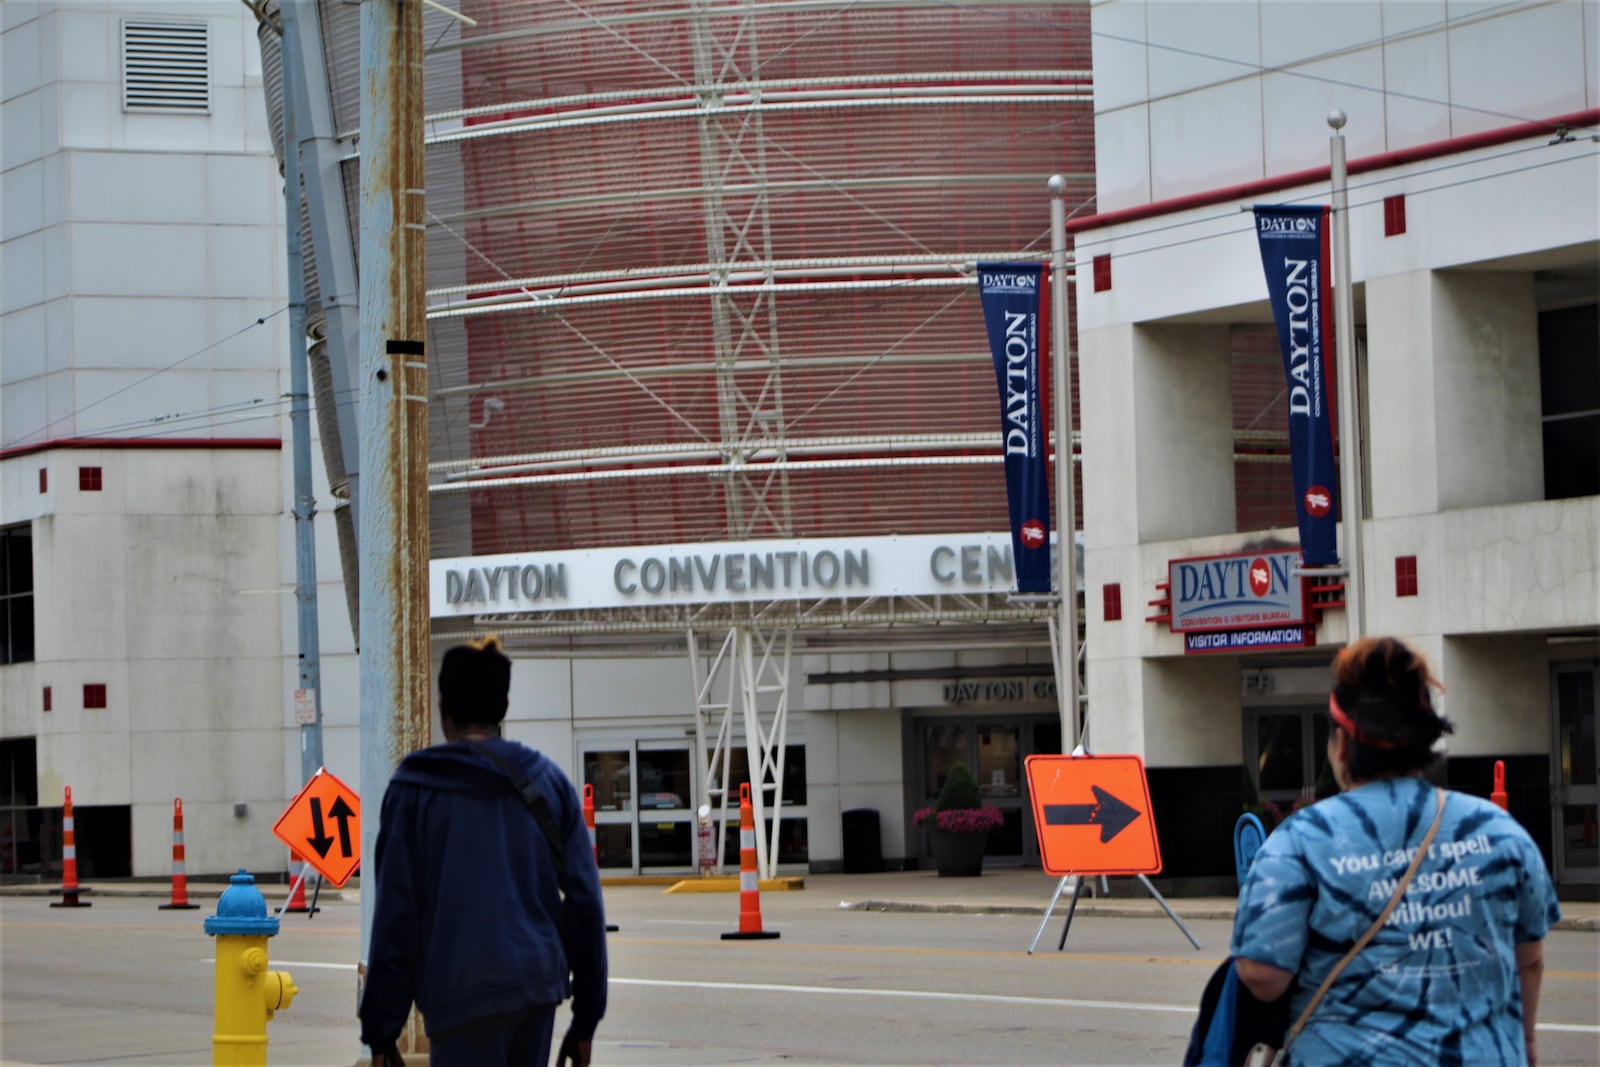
(975, 998)
(918, 994)
(856, 991)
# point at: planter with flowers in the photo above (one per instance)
(959, 824)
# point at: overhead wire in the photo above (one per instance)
(75, 412)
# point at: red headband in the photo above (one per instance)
(1348, 725)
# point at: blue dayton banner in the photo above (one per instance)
(1016, 315)
(1294, 252)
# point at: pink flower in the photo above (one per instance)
(961, 820)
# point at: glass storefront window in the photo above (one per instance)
(793, 842)
(614, 845)
(612, 777)
(664, 779)
(1575, 718)
(999, 761)
(666, 844)
(794, 775)
(943, 745)
(1280, 759)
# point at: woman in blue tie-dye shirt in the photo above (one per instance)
(1453, 976)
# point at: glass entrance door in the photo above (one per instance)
(993, 749)
(1577, 754)
(1286, 754)
(643, 798)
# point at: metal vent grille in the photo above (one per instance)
(165, 67)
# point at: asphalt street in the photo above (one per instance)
(125, 983)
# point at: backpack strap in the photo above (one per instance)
(535, 803)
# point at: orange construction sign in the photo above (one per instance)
(1092, 814)
(323, 825)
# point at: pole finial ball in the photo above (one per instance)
(1336, 119)
(1057, 184)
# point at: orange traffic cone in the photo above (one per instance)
(588, 820)
(749, 881)
(180, 871)
(297, 883)
(1499, 795)
(69, 860)
(594, 842)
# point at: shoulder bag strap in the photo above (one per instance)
(1383, 917)
(535, 802)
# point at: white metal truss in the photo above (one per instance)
(754, 663)
(744, 324)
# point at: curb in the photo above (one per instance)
(1585, 923)
(1110, 910)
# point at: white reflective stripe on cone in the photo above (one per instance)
(177, 838)
(69, 852)
(747, 839)
(748, 883)
(178, 867)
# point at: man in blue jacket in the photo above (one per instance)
(488, 911)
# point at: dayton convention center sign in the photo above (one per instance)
(1240, 602)
(723, 572)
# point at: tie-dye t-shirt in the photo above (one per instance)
(1438, 984)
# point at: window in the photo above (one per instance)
(166, 66)
(90, 480)
(1569, 389)
(94, 695)
(21, 821)
(16, 594)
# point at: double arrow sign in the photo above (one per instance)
(341, 813)
(323, 824)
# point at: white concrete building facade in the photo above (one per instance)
(1474, 229)
(148, 643)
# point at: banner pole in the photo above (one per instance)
(1066, 535)
(1344, 341)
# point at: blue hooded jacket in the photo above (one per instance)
(469, 920)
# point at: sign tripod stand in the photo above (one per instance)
(1075, 796)
(1072, 907)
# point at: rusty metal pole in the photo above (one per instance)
(395, 699)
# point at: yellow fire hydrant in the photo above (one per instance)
(247, 993)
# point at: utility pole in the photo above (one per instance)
(1344, 341)
(305, 504)
(1066, 534)
(395, 706)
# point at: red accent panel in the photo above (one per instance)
(1394, 215)
(47, 698)
(1111, 593)
(136, 443)
(94, 695)
(90, 480)
(1405, 576)
(1162, 604)
(1432, 150)
(44, 479)
(1102, 272)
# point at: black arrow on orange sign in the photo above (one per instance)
(1107, 812)
(342, 814)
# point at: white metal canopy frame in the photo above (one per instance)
(753, 663)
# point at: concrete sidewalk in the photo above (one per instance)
(998, 891)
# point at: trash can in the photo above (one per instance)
(863, 851)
